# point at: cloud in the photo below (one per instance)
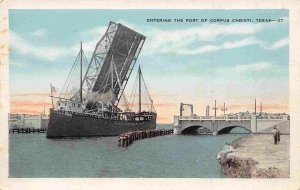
(241, 43)
(90, 38)
(16, 64)
(254, 67)
(229, 45)
(163, 105)
(213, 48)
(22, 46)
(52, 53)
(179, 41)
(29, 107)
(30, 104)
(182, 41)
(235, 106)
(40, 33)
(278, 44)
(96, 32)
(30, 94)
(265, 107)
(274, 107)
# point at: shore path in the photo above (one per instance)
(261, 148)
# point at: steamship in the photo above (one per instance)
(94, 107)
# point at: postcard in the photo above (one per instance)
(121, 96)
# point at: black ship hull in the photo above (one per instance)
(83, 125)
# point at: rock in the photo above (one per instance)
(237, 167)
(242, 161)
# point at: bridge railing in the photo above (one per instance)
(211, 118)
(189, 117)
(230, 118)
(245, 117)
(270, 117)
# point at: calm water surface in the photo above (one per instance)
(33, 155)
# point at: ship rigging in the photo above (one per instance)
(100, 91)
(70, 93)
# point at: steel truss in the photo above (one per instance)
(113, 60)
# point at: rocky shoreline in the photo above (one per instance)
(256, 156)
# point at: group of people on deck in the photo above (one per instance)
(276, 135)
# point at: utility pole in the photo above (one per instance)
(260, 108)
(224, 109)
(207, 110)
(215, 108)
(44, 110)
(255, 107)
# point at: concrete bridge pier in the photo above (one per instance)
(215, 129)
(177, 126)
(253, 123)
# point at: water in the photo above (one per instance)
(33, 155)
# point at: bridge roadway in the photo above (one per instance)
(220, 125)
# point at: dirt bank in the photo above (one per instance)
(257, 156)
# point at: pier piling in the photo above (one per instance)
(129, 137)
(26, 130)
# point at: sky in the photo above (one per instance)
(190, 62)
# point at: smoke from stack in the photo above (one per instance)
(93, 98)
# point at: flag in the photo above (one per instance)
(53, 89)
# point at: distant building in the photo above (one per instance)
(261, 115)
(27, 120)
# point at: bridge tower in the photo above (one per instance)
(189, 105)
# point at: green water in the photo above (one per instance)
(33, 155)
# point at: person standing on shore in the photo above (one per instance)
(278, 135)
(275, 134)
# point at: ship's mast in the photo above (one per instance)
(140, 90)
(112, 74)
(81, 72)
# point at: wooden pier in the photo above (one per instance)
(127, 139)
(27, 130)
